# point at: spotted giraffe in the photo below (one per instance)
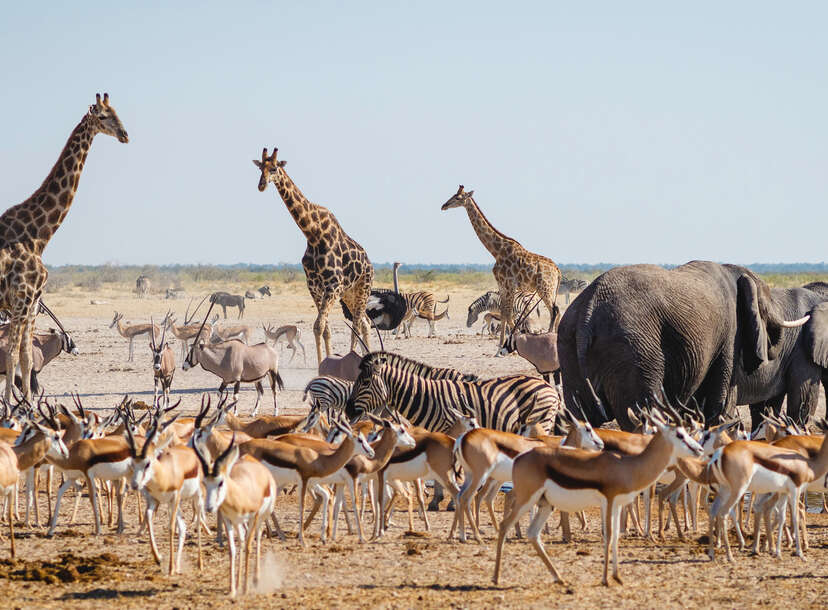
(515, 269)
(26, 228)
(335, 265)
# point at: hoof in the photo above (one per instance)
(433, 507)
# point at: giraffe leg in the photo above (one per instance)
(507, 300)
(320, 326)
(26, 357)
(15, 330)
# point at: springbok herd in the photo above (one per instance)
(379, 425)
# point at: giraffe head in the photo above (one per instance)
(104, 119)
(459, 199)
(271, 168)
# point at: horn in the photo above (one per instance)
(356, 334)
(227, 451)
(205, 467)
(202, 412)
(598, 404)
(106, 99)
(201, 328)
(264, 154)
(97, 99)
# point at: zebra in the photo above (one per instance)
(501, 403)
(415, 367)
(570, 285)
(421, 304)
(327, 393)
(490, 301)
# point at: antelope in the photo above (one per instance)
(541, 350)
(392, 437)
(345, 367)
(163, 366)
(130, 331)
(574, 479)
(290, 464)
(188, 331)
(35, 443)
(234, 362)
(225, 300)
(761, 468)
(241, 332)
(45, 348)
(712, 439)
(9, 474)
(243, 493)
(291, 333)
(431, 458)
(107, 459)
(166, 476)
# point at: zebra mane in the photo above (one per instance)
(416, 367)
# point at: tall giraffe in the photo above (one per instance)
(26, 228)
(515, 269)
(335, 265)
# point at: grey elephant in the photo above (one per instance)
(802, 364)
(693, 331)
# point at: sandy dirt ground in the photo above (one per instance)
(404, 569)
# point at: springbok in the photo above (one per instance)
(301, 465)
(243, 493)
(166, 476)
(130, 331)
(163, 367)
(574, 479)
(761, 468)
(291, 333)
(9, 474)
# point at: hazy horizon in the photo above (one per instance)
(635, 132)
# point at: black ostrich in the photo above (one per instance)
(385, 308)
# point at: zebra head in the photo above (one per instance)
(369, 391)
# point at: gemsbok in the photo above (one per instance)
(234, 362)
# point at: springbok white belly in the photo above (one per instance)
(768, 481)
(572, 500)
(108, 471)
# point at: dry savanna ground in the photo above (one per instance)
(404, 569)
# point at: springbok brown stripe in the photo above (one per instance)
(568, 481)
(110, 457)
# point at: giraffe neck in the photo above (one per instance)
(297, 204)
(491, 238)
(36, 219)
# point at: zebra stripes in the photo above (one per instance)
(421, 304)
(490, 301)
(498, 403)
(327, 392)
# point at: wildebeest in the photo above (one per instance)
(225, 299)
(142, 286)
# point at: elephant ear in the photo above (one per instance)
(816, 335)
(751, 323)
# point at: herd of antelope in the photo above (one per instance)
(381, 426)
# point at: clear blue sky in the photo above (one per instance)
(594, 131)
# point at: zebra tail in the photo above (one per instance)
(448, 296)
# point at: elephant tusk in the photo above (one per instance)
(795, 323)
